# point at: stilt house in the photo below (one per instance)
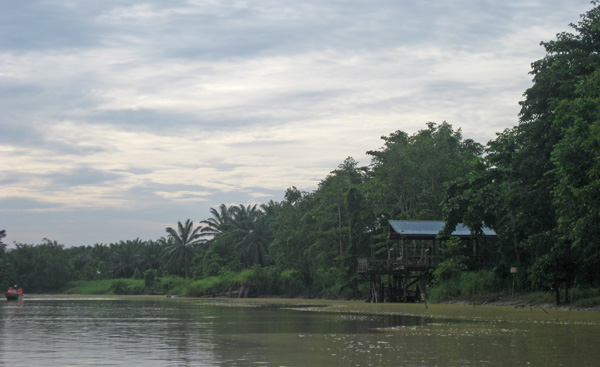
(404, 275)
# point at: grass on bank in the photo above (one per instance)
(484, 287)
(169, 285)
(479, 287)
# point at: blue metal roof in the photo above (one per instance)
(422, 229)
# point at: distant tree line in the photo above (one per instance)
(537, 185)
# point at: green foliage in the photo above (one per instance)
(172, 285)
(538, 185)
(454, 264)
(88, 287)
(445, 290)
(219, 258)
(225, 283)
(248, 229)
(291, 282)
(585, 297)
(124, 257)
(261, 280)
(179, 248)
(150, 277)
(119, 287)
(123, 286)
(409, 173)
(480, 282)
(44, 267)
(449, 269)
(465, 283)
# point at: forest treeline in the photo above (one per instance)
(536, 184)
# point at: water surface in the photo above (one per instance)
(191, 332)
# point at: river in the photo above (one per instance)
(153, 331)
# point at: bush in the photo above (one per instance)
(445, 290)
(585, 297)
(479, 282)
(119, 287)
(137, 274)
(149, 278)
(265, 280)
(89, 287)
(587, 302)
(465, 284)
(206, 286)
(172, 285)
(326, 279)
(262, 280)
(290, 282)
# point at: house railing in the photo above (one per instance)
(367, 265)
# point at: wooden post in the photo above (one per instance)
(513, 271)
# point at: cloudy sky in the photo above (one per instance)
(120, 118)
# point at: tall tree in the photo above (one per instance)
(125, 257)
(253, 234)
(179, 250)
(40, 268)
(333, 225)
(409, 173)
(290, 243)
(576, 156)
(539, 183)
(4, 265)
(220, 222)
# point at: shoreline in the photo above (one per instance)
(455, 310)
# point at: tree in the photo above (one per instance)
(538, 183)
(557, 128)
(40, 268)
(4, 265)
(220, 222)
(255, 236)
(576, 159)
(151, 256)
(179, 250)
(290, 243)
(409, 173)
(221, 255)
(125, 257)
(334, 228)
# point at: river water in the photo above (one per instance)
(148, 332)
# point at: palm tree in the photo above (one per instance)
(125, 257)
(254, 241)
(246, 228)
(220, 222)
(253, 233)
(152, 254)
(101, 252)
(180, 244)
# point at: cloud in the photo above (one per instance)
(187, 196)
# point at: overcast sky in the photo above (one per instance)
(120, 118)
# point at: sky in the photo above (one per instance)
(121, 118)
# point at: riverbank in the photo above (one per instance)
(457, 310)
(179, 287)
(438, 311)
(527, 300)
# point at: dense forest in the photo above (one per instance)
(537, 185)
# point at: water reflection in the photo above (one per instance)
(155, 332)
